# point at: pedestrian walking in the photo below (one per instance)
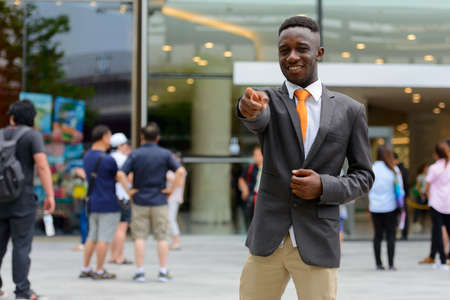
(405, 179)
(248, 184)
(149, 165)
(122, 149)
(305, 132)
(420, 197)
(438, 191)
(18, 213)
(103, 206)
(174, 201)
(383, 205)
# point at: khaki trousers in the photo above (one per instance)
(265, 278)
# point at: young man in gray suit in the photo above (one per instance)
(305, 132)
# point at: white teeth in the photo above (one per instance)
(294, 68)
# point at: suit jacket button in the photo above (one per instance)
(295, 205)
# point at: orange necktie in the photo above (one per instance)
(302, 95)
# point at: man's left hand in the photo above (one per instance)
(49, 204)
(167, 191)
(306, 184)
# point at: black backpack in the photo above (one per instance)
(12, 178)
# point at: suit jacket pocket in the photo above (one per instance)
(328, 212)
(336, 138)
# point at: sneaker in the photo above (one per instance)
(439, 266)
(88, 274)
(164, 277)
(104, 275)
(139, 277)
(380, 268)
(427, 260)
(32, 296)
(392, 268)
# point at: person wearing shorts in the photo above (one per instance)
(122, 149)
(149, 208)
(103, 205)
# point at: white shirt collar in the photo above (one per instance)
(315, 89)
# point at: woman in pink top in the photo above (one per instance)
(438, 192)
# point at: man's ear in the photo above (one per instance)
(320, 53)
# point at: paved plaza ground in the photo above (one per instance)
(208, 268)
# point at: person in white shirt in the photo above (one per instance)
(383, 205)
(119, 142)
(174, 201)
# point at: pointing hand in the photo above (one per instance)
(252, 102)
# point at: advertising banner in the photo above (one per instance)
(43, 105)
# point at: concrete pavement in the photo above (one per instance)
(208, 267)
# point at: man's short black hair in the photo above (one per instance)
(23, 112)
(299, 21)
(151, 132)
(98, 132)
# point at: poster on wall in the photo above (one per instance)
(68, 120)
(43, 105)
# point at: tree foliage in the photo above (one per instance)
(44, 70)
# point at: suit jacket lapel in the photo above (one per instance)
(292, 110)
(326, 115)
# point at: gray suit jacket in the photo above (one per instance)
(342, 134)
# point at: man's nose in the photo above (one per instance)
(293, 56)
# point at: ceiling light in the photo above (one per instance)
(437, 110)
(416, 98)
(166, 48)
(360, 46)
(302, 15)
(190, 81)
(411, 37)
(228, 54)
(203, 63)
(441, 105)
(58, 3)
(155, 98)
(17, 2)
(209, 45)
(379, 61)
(345, 54)
(93, 3)
(196, 59)
(428, 57)
(123, 9)
(408, 90)
(171, 88)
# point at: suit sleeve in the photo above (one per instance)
(259, 123)
(359, 177)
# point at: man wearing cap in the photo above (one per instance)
(121, 150)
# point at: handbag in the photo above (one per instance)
(400, 199)
(92, 181)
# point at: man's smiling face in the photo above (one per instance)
(298, 53)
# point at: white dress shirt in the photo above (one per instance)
(313, 105)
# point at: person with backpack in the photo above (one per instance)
(21, 148)
(248, 184)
